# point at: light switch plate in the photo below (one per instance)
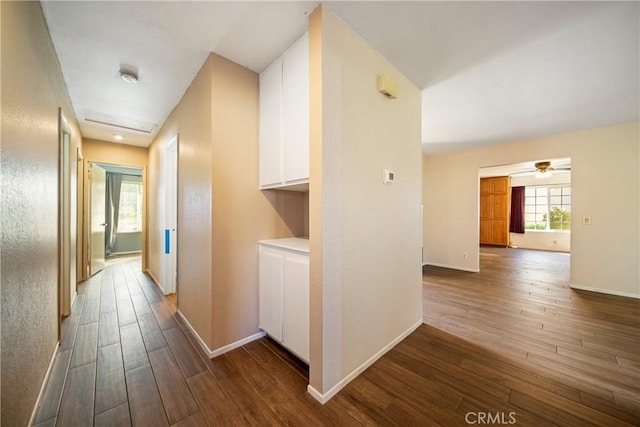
(388, 176)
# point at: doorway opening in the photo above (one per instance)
(67, 218)
(169, 280)
(116, 212)
(527, 205)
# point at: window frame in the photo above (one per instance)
(548, 206)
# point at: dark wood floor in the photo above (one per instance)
(512, 343)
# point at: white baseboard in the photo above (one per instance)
(324, 398)
(219, 351)
(156, 281)
(239, 343)
(73, 298)
(452, 267)
(605, 291)
(34, 413)
(195, 334)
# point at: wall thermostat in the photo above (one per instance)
(387, 176)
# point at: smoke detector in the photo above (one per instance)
(129, 76)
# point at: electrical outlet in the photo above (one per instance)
(586, 220)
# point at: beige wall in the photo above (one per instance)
(191, 118)
(114, 153)
(32, 90)
(605, 186)
(242, 214)
(365, 235)
(221, 212)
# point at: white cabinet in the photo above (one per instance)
(271, 125)
(271, 264)
(284, 293)
(295, 304)
(284, 120)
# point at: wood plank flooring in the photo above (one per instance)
(512, 341)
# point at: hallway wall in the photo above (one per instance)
(32, 90)
(221, 212)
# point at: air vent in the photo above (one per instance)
(120, 122)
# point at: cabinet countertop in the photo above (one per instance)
(299, 244)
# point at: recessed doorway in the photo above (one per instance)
(116, 212)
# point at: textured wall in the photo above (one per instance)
(32, 91)
(113, 153)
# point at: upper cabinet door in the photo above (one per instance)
(271, 125)
(295, 111)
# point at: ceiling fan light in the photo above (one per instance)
(543, 173)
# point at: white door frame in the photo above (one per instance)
(170, 225)
(96, 260)
(66, 219)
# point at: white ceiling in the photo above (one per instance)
(490, 71)
(525, 168)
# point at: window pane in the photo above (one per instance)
(555, 191)
(566, 200)
(130, 212)
(541, 191)
(529, 191)
(555, 200)
(566, 191)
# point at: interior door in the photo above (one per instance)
(98, 186)
(171, 217)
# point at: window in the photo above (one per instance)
(130, 213)
(547, 208)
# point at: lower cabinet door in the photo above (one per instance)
(295, 321)
(271, 269)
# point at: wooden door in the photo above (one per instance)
(485, 218)
(494, 210)
(499, 209)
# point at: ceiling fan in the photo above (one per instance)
(544, 169)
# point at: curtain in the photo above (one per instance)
(516, 223)
(114, 183)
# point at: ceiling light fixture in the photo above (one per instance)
(129, 76)
(543, 170)
(118, 137)
(545, 174)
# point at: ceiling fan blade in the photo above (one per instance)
(523, 173)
